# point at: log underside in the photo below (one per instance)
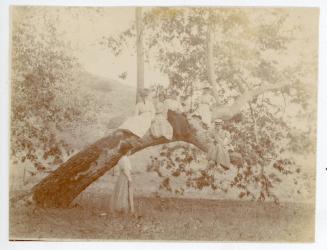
(62, 186)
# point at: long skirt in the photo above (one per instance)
(161, 127)
(120, 198)
(219, 155)
(138, 124)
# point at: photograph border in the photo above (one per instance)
(321, 158)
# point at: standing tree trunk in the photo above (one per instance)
(139, 50)
(209, 57)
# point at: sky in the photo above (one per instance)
(86, 30)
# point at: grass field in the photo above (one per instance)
(167, 219)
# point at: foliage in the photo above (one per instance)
(44, 101)
(250, 48)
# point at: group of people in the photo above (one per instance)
(148, 116)
(151, 118)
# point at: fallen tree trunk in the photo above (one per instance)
(62, 186)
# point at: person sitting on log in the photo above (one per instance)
(187, 103)
(160, 125)
(204, 108)
(140, 122)
(172, 102)
(218, 153)
(176, 116)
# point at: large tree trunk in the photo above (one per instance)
(62, 186)
(72, 177)
(210, 58)
(139, 50)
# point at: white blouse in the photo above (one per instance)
(125, 167)
(174, 105)
(144, 107)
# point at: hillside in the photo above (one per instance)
(113, 103)
(109, 103)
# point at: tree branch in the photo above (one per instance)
(227, 112)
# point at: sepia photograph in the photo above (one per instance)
(163, 123)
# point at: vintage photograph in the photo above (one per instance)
(163, 123)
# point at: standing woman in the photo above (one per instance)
(218, 150)
(122, 199)
(140, 122)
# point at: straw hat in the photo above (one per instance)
(206, 86)
(218, 121)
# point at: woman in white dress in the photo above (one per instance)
(160, 125)
(140, 123)
(122, 200)
(218, 152)
(204, 110)
(173, 103)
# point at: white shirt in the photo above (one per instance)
(125, 167)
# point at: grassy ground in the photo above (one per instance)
(167, 219)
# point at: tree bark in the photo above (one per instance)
(227, 112)
(209, 57)
(139, 50)
(62, 186)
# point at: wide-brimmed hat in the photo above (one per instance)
(219, 121)
(206, 85)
